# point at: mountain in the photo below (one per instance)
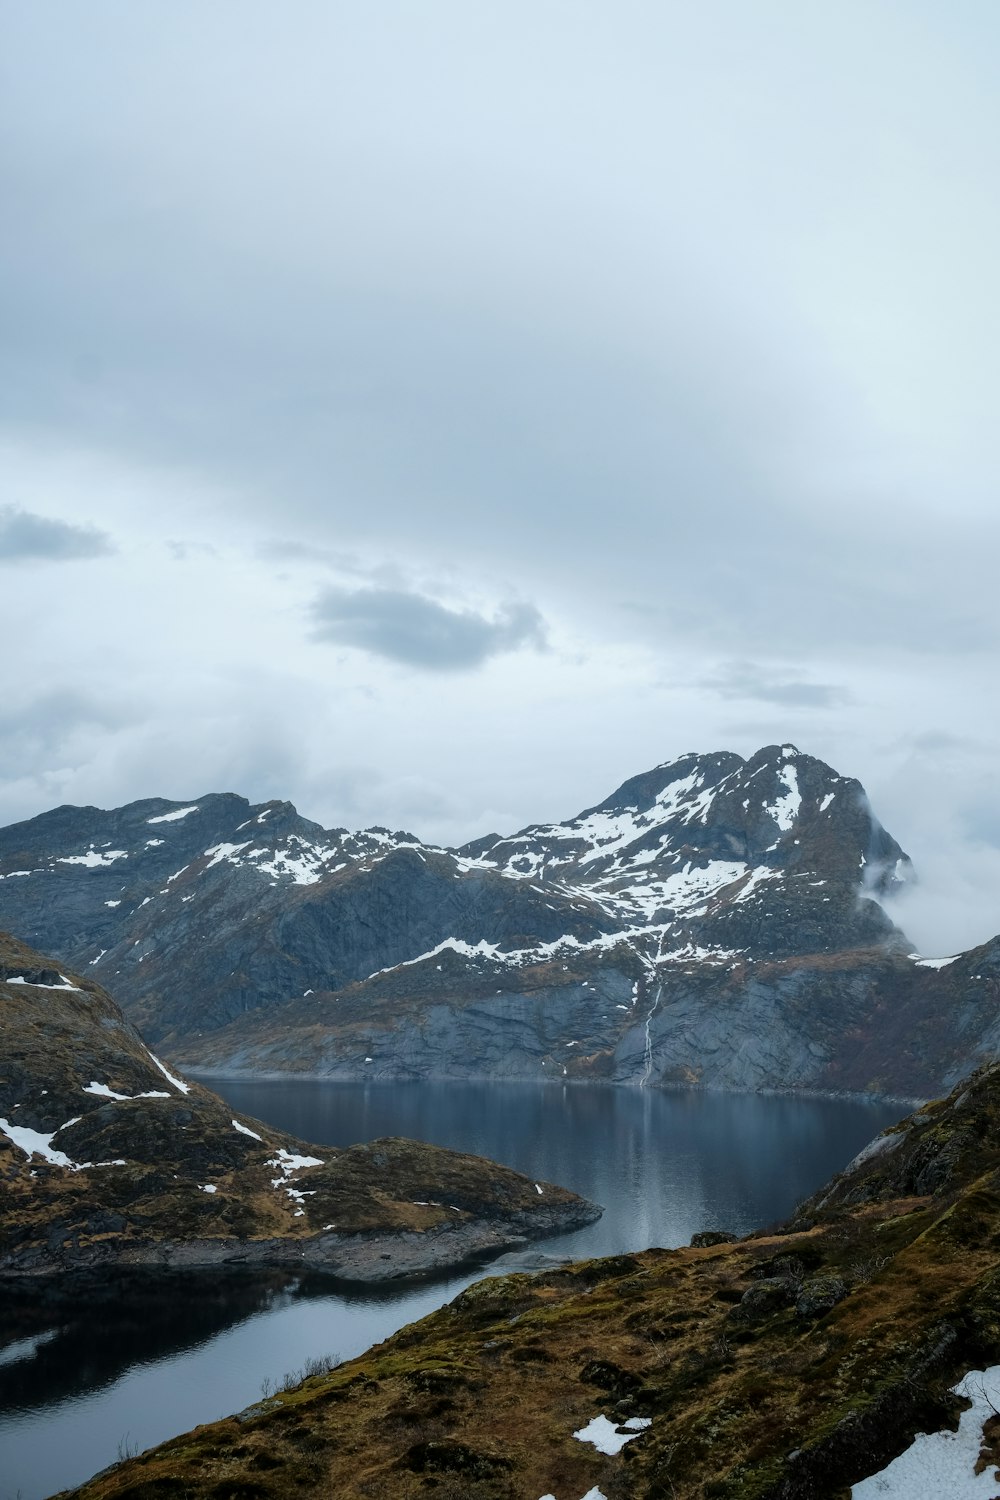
(108, 1155)
(715, 921)
(789, 1365)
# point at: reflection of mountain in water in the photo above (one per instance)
(88, 1329)
(663, 1164)
(80, 1334)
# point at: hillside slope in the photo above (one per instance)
(108, 1155)
(786, 1366)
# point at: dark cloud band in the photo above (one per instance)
(26, 537)
(744, 679)
(417, 631)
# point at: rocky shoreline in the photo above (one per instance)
(367, 1257)
(262, 1075)
(109, 1157)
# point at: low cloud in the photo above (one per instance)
(941, 802)
(407, 627)
(46, 721)
(741, 679)
(26, 537)
(952, 904)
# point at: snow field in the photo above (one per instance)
(941, 1465)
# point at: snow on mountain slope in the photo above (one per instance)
(680, 844)
(204, 911)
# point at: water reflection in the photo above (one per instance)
(79, 1334)
(88, 1361)
(663, 1164)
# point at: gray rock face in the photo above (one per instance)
(713, 921)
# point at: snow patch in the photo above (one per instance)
(609, 1438)
(178, 1083)
(305, 863)
(785, 809)
(227, 852)
(692, 953)
(34, 1143)
(943, 1463)
(482, 949)
(102, 1091)
(287, 1164)
(594, 1494)
(245, 1130)
(174, 817)
(93, 859)
(757, 876)
(65, 985)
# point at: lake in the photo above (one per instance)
(96, 1366)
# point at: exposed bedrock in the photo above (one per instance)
(715, 921)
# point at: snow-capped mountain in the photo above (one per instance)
(696, 847)
(649, 938)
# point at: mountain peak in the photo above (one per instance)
(202, 911)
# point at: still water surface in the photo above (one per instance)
(100, 1363)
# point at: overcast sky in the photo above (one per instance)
(434, 413)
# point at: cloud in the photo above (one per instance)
(410, 628)
(182, 551)
(742, 679)
(56, 725)
(941, 800)
(729, 411)
(25, 536)
(952, 904)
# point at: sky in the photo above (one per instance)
(434, 414)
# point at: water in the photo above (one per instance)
(94, 1367)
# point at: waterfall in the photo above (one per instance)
(647, 1067)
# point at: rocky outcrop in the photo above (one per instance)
(867, 1021)
(789, 1365)
(714, 922)
(109, 1156)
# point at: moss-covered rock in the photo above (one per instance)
(819, 1295)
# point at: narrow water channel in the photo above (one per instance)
(94, 1367)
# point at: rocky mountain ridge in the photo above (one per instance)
(108, 1156)
(715, 921)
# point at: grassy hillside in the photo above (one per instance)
(788, 1364)
(107, 1155)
